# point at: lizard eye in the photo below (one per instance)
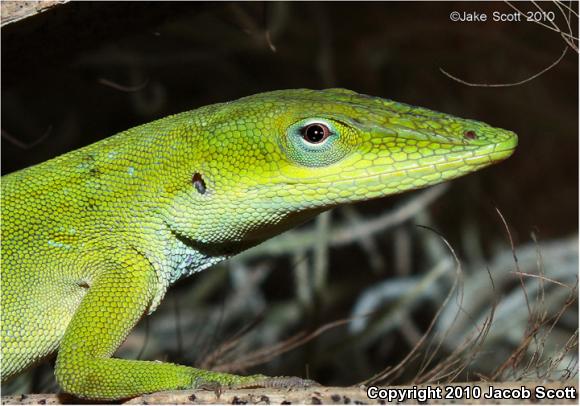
(316, 142)
(315, 133)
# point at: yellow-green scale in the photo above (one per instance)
(91, 240)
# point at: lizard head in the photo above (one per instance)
(276, 159)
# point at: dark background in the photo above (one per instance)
(84, 71)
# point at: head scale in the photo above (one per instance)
(273, 160)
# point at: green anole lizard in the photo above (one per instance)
(92, 239)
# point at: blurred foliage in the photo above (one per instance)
(84, 71)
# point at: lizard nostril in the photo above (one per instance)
(199, 183)
(470, 135)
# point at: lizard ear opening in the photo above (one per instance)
(198, 183)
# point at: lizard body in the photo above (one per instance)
(92, 239)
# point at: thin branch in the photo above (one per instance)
(513, 248)
(23, 145)
(567, 7)
(554, 27)
(566, 17)
(123, 88)
(543, 278)
(386, 373)
(556, 62)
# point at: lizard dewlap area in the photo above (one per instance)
(92, 239)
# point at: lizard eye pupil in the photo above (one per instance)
(315, 133)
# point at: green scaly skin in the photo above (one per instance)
(92, 239)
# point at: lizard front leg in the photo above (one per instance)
(117, 298)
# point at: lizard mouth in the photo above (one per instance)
(464, 167)
(505, 149)
(373, 181)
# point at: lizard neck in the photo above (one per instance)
(184, 257)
